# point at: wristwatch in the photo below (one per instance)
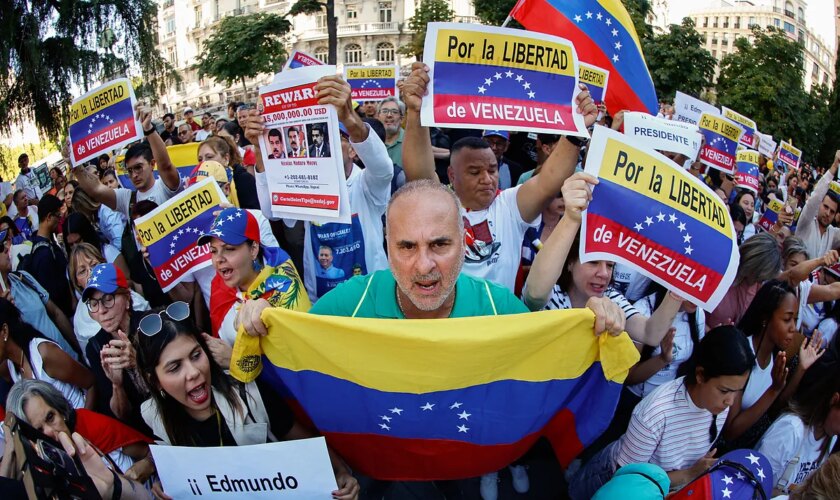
(577, 141)
(149, 132)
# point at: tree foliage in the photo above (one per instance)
(677, 60)
(315, 7)
(639, 11)
(831, 130)
(244, 47)
(763, 80)
(494, 12)
(49, 49)
(428, 11)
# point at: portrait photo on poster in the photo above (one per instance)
(276, 148)
(319, 141)
(295, 142)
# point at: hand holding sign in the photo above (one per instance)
(577, 193)
(415, 87)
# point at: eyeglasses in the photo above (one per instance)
(152, 323)
(106, 301)
(389, 112)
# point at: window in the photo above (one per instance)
(352, 14)
(170, 26)
(714, 41)
(777, 23)
(801, 14)
(705, 22)
(352, 54)
(752, 22)
(714, 54)
(726, 22)
(815, 72)
(790, 28)
(321, 21)
(385, 9)
(789, 9)
(385, 53)
(322, 54)
(198, 16)
(737, 23)
(715, 24)
(172, 56)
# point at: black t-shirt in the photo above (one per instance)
(142, 274)
(207, 433)
(246, 188)
(49, 267)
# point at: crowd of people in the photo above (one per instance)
(447, 223)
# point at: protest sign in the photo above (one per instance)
(721, 142)
(771, 215)
(301, 149)
(102, 120)
(298, 469)
(688, 109)
(747, 174)
(651, 214)
(749, 138)
(789, 155)
(595, 79)
(300, 59)
(371, 83)
(170, 231)
(484, 77)
(766, 145)
(663, 135)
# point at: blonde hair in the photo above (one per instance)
(223, 145)
(82, 249)
(822, 484)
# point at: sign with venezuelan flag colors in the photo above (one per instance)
(663, 135)
(749, 138)
(789, 155)
(371, 83)
(747, 174)
(771, 215)
(595, 79)
(103, 120)
(170, 231)
(651, 214)
(402, 399)
(496, 78)
(722, 137)
(300, 59)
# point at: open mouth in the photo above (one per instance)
(599, 289)
(199, 395)
(427, 287)
(226, 273)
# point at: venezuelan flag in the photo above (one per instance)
(183, 156)
(747, 174)
(722, 136)
(102, 120)
(603, 35)
(449, 398)
(789, 154)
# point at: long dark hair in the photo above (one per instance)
(763, 306)
(20, 331)
(78, 223)
(723, 351)
(176, 421)
(565, 279)
(812, 404)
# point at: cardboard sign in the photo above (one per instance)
(766, 145)
(493, 78)
(651, 214)
(789, 155)
(722, 137)
(688, 109)
(103, 120)
(771, 215)
(749, 138)
(747, 174)
(298, 469)
(663, 135)
(300, 59)
(301, 149)
(371, 83)
(170, 231)
(595, 79)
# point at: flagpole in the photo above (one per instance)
(506, 21)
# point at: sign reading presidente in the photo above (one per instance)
(102, 120)
(721, 145)
(651, 214)
(371, 83)
(496, 78)
(663, 135)
(170, 231)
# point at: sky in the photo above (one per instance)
(819, 15)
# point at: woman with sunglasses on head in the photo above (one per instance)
(120, 388)
(30, 355)
(194, 403)
(676, 425)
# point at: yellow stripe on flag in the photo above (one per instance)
(105, 97)
(616, 9)
(748, 156)
(373, 72)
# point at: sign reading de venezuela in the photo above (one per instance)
(371, 83)
(102, 120)
(170, 231)
(789, 155)
(722, 137)
(747, 174)
(496, 78)
(651, 214)
(749, 138)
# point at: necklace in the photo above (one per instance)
(399, 301)
(219, 422)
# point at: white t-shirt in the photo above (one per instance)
(29, 183)
(202, 134)
(793, 451)
(809, 314)
(683, 346)
(667, 429)
(828, 327)
(158, 194)
(74, 395)
(494, 239)
(760, 380)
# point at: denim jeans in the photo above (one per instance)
(597, 471)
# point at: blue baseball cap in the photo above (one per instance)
(637, 481)
(105, 278)
(498, 133)
(234, 226)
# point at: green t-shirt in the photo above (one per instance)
(524, 177)
(380, 301)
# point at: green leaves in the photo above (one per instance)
(678, 61)
(429, 11)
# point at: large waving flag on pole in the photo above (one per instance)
(448, 398)
(603, 35)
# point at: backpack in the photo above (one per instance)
(26, 262)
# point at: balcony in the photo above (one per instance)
(790, 14)
(167, 4)
(351, 30)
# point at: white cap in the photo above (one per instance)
(188, 110)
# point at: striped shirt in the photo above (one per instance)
(560, 300)
(667, 429)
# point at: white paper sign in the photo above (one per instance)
(301, 149)
(663, 135)
(298, 469)
(766, 146)
(688, 109)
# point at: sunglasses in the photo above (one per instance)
(152, 323)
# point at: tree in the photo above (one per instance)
(639, 11)
(428, 11)
(315, 7)
(763, 80)
(244, 47)
(678, 61)
(50, 48)
(831, 129)
(494, 12)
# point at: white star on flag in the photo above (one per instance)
(509, 74)
(660, 217)
(498, 76)
(99, 271)
(481, 90)
(518, 78)
(175, 238)
(648, 221)
(238, 214)
(726, 493)
(761, 473)
(681, 226)
(688, 250)
(638, 227)
(531, 94)
(617, 45)
(589, 15)
(172, 252)
(672, 218)
(608, 22)
(526, 85)
(427, 407)
(726, 479)
(739, 476)
(614, 32)
(615, 57)
(181, 231)
(578, 18)
(455, 405)
(687, 238)
(230, 217)
(385, 418)
(93, 280)
(172, 245)
(396, 410)
(385, 426)
(599, 16)
(463, 428)
(752, 458)
(488, 81)
(464, 415)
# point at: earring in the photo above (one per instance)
(257, 265)
(162, 394)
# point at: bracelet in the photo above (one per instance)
(116, 493)
(149, 132)
(576, 141)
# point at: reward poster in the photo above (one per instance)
(301, 149)
(496, 78)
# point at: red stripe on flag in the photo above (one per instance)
(499, 112)
(180, 263)
(679, 277)
(121, 130)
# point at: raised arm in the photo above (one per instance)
(418, 155)
(807, 219)
(167, 171)
(90, 184)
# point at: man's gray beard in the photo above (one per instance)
(392, 129)
(444, 296)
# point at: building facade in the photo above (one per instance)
(369, 33)
(721, 25)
